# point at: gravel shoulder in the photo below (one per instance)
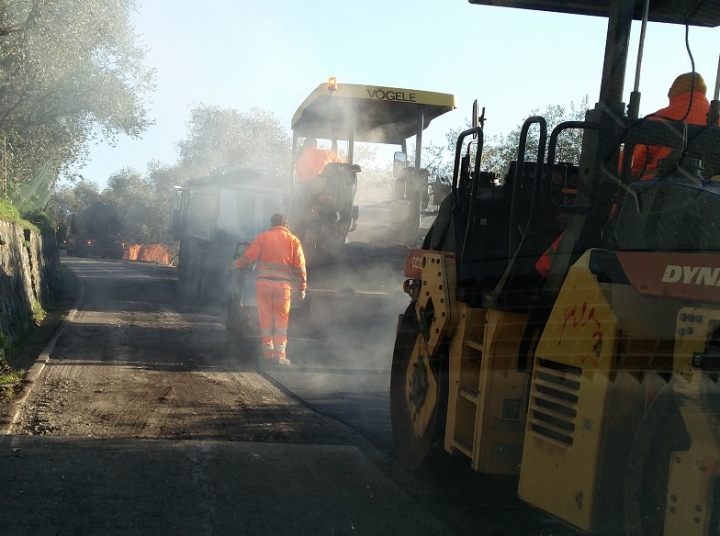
(136, 364)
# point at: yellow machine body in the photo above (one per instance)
(566, 420)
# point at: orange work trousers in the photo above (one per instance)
(274, 310)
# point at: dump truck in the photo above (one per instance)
(597, 385)
(94, 231)
(211, 215)
(325, 210)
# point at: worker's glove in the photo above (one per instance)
(301, 295)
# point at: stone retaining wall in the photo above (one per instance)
(29, 263)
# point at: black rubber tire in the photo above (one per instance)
(240, 347)
(186, 285)
(660, 433)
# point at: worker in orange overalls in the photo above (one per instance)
(313, 160)
(280, 263)
(688, 103)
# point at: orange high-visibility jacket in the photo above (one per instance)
(279, 257)
(544, 263)
(646, 158)
(312, 161)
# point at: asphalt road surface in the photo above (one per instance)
(144, 422)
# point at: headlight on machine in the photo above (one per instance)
(411, 287)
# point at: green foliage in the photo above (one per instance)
(41, 220)
(500, 150)
(224, 138)
(34, 195)
(39, 313)
(71, 198)
(8, 212)
(143, 203)
(218, 138)
(8, 374)
(69, 72)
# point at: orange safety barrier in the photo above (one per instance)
(147, 252)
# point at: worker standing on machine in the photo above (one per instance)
(313, 160)
(280, 264)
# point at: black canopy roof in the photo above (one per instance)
(693, 12)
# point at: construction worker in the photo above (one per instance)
(313, 160)
(280, 262)
(689, 104)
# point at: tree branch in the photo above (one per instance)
(29, 21)
(11, 30)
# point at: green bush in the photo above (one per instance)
(39, 312)
(41, 220)
(8, 212)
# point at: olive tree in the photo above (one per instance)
(71, 198)
(70, 72)
(225, 138)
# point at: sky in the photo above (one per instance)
(271, 54)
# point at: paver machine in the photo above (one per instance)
(325, 209)
(597, 385)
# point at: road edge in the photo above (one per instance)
(17, 405)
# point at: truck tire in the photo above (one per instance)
(184, 282)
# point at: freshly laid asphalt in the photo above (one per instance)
(76, 486)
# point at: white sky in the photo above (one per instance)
(272, 53)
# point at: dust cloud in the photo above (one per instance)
(354, 303)
(349, 319)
